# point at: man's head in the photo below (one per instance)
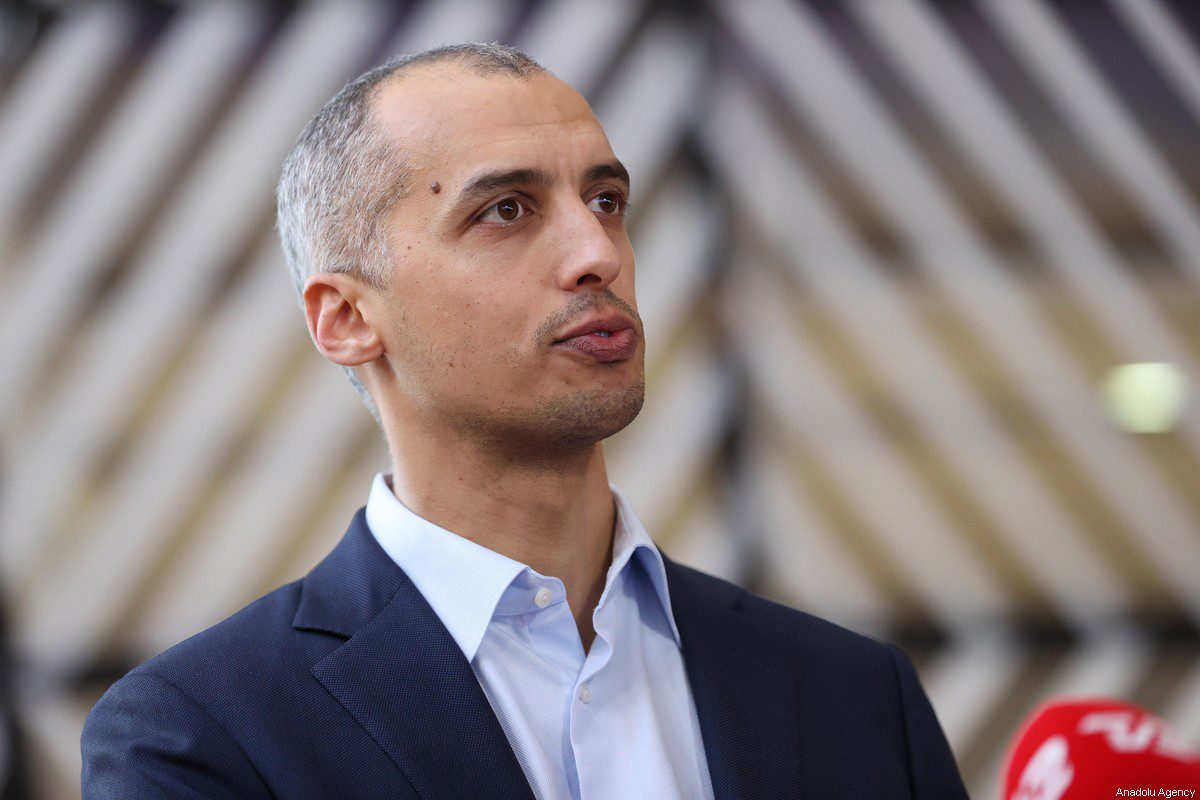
(447, 217)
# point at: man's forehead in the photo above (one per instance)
(444, 113)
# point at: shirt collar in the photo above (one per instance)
(630, 538)
(463, 581)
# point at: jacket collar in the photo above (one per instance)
(402, 676)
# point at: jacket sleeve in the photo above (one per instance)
(933, 773)
(145, 738)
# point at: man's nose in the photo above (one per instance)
(589, 254)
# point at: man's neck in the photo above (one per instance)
(556, 516)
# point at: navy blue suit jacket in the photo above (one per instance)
(345, 684)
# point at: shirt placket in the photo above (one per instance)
(590, 692)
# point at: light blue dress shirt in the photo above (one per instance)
(618, 722)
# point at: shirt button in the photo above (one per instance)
(542, 598)
(585, 692)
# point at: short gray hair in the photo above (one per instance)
(343, 173)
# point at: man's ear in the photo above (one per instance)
(333, 303)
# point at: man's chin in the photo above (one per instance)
(578, 420)
(593, 416)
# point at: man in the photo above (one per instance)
(496, 623)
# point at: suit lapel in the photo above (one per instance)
(745, 701)
(403, 677)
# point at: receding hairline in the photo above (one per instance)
(469, 58)
(449, 67)
(480, 59)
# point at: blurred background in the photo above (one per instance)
(920, 281)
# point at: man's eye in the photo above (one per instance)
(506, 210)
(607, 203)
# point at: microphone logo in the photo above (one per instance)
(1048, 774)
(1125, 733)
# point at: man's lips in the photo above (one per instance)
(607, 322)
(617, 345)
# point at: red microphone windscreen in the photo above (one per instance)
(1089, 749)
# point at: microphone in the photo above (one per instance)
(1099, 748)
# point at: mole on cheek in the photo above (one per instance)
(435, 187)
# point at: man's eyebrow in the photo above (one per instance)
(485, 183)
(609, 169)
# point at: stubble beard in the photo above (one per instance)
(557, 429)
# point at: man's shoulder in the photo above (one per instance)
(212, 712)
(252, 648)
(795, 632)
(264, 653)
